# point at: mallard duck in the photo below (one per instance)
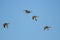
(34, 18)
(47, 28)
(5, 25)
(27, 11)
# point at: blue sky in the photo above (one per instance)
(22, 27)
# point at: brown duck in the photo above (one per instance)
(27, 11)
(34, 18)
(47, 28)
(5, 25)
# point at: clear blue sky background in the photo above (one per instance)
(22, 27)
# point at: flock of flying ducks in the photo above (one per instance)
(35, 18)
(5, 25)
